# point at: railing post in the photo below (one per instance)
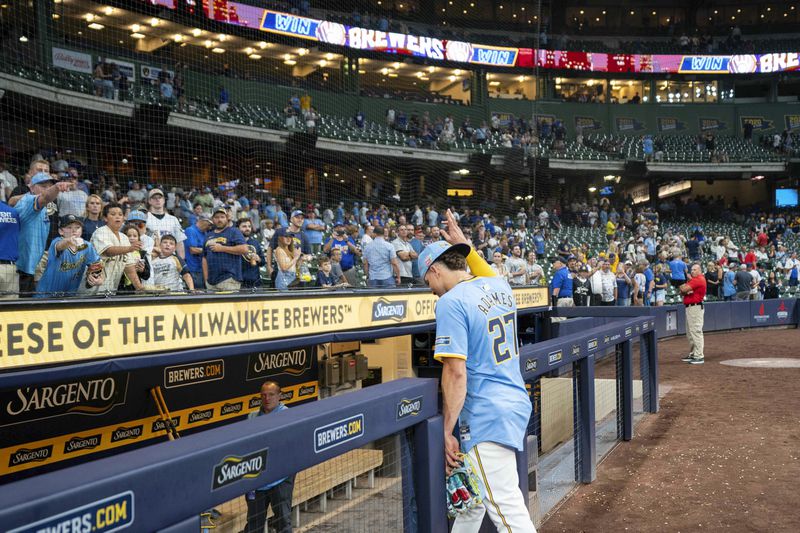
(585, 444)
(652, 377)
(429, 475)
(626, 397)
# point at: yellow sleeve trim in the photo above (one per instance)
(478, 266)
(440, 356)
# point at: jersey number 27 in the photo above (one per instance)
(504, 337)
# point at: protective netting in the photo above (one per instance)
(126, 100)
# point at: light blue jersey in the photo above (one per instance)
(65, 270)
(476, 320)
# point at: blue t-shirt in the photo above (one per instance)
(34, 228)
(258, 413)
(64, 270)
(648, 277)
(728, 288)
(538, 243)
(562, 281)
(323, 279)
(623, 289)
(89, 227)
(417, 246)
(281, 220)
(348, 258)
(648, 145)
(678, 269)
(314, 236)
(222, 265)
(250, 272)
(477, 321)
(195, 239)
(9, 232)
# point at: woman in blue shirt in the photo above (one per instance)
(728, 288)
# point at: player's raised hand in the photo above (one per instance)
(453, 233)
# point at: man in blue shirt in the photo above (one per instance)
(380, 262)
(341, 241)
(648, 280)
(561, 284)
(253, 259)
(482, 386)
(67, 259)
(277, 494)
(313, 228)
(35, 226)
(416, 245)
(538, 242)
(9, 252)
(195, 241)
(678, 271)
(222, 261)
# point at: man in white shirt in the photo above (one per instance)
(755, 294)
(73, 201)
(604, 283)
(160, 222)
(405, 253)
(7, 182)
(516, 267)
(367, 237)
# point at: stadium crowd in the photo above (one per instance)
(66, 235)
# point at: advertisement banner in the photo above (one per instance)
(152, 73)
(626, 124)
(40, 335)
(334, 33)
(126, 68)
(792, 122)
(711, 124)
(670, 124)
(71, 60)
(44, 424)
(588, 123)
(758, 123)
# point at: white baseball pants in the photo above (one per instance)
(496, 467)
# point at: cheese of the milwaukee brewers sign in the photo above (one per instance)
(46, 334)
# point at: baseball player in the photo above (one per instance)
(476, 341)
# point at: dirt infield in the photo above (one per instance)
(723, 453)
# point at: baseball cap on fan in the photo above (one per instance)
(432, 252)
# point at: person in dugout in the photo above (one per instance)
(277, 494)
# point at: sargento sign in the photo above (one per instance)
(89, 396)
(45, 334)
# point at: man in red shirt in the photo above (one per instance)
(693, 293)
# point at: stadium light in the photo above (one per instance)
(137, 35)
(108, 10)
(135, 28)
(177, 37)
(197, 32)
(23, 39)
(89, 17)
(254, 56)
(592, 189)
(96, 26)
(262, 45)
(155, 22)
(218, 50)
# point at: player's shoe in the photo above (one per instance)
(687, 359)
(696, 361)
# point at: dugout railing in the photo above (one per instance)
(166, 486)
